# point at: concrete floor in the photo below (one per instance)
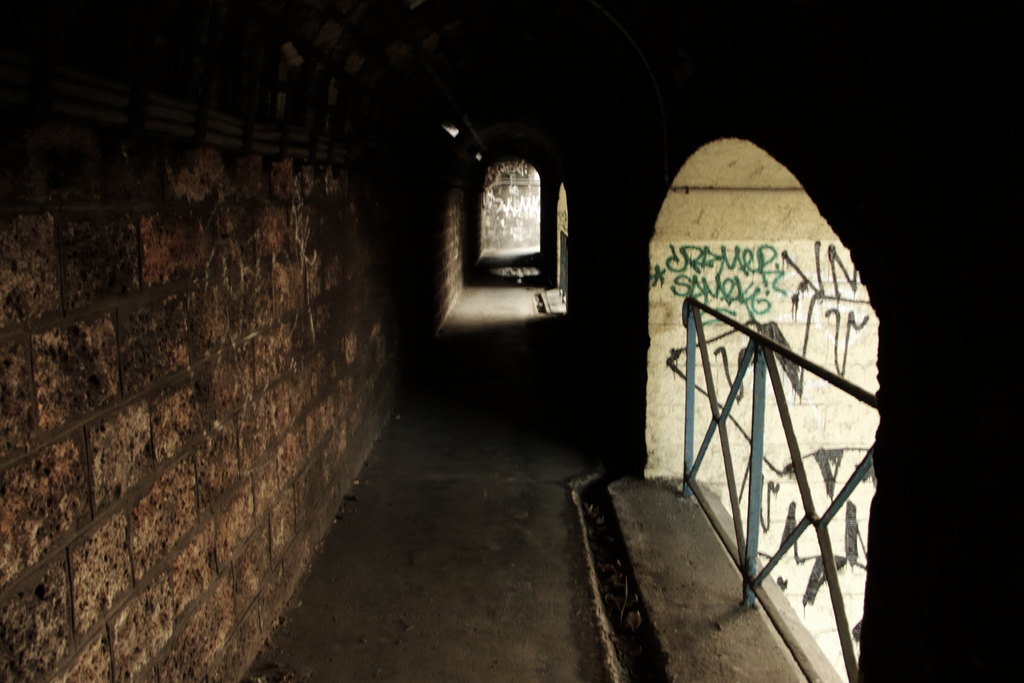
(460, 555)
(461, 558)
(691, 590)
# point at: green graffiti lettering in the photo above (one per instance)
(743, 276)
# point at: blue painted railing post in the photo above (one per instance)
(691, 383)
(756, 478)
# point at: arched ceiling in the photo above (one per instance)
(814, 83)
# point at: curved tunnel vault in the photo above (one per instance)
(264, 188)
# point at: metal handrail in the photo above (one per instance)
(762, 352)
(862, 395)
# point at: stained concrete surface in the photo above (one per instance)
(459, 555)
(692, 589)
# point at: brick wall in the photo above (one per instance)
(196, 353)
(452, 240)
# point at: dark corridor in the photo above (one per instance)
(229, 231)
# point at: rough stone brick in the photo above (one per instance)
(230, 380)
(194, 569)
(301, 550)
(290, 455)
(101, 571)
(282, 523)
(333, 273)
(335, 184)
(351, 345)
(302, 392)
(327, 415)
(307, 493)
(327, 470)
(141, 629)
(234, 522)
(173, 247)
(313, 431)
(17, 407)
(100, 258)
(318, 373)
(131, 171)
(341, 438)
(28, 268)
(175, 420)
(256, 306)
(274, 593)
(249, 179)
(234, 227)
(121, 453)
(283, 404)
(265, 486)
(216, 463)
(272, 233)
(301, 333)
(64, 163)
(75, 370)
(346, 390)
(208, 321)
(197, 175)
(202, 637)
(241, 648)
(272, 352)
(42, 499)
(254, 431)
(289, 292)
(310, 183)
(153, 342)
(34, 627)
(163, 516)
(283, 183)
(92, 665)
(314, 274)
(323, 320)
(251, 563)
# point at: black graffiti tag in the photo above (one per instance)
(819, 292)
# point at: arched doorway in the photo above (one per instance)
(510, 218)
(738, 233)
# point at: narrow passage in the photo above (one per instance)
(458, 555)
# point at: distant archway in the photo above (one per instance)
(510, 208)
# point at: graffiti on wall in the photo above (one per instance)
(835, 296)
(809, 298)
(729, 279)
(510, 168)
(510, 211)
(753, 282)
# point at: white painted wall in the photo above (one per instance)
(738, 232)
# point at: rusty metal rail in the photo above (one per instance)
(761, 352)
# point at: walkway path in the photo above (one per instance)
(462, 558)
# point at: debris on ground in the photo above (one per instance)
(639, 656)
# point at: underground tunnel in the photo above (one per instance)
(241, 242)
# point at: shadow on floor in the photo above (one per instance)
(459, 555)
